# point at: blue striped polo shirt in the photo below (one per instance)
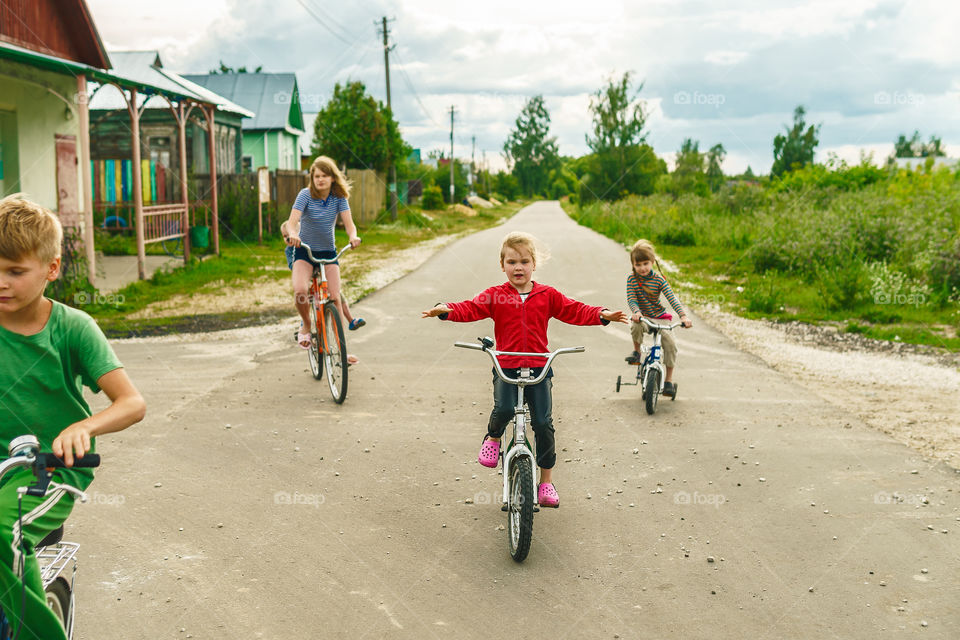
(319, 219)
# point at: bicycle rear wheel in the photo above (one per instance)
(313, 353)
(335, 353)
(651, 390)
(520, 514)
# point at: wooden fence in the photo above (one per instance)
(367, 195)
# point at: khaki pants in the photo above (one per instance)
(637, 331)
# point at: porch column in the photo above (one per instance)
(212, 147)
(182, 116)
(83, 117)
(137, 184)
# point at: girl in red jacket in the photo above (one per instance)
(520, 309)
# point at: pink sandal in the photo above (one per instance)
(304, 340)
(547, 495)
(489, 453)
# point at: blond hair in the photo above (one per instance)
(340, 186)
(27, 228)
(516, 239)
(642, 250)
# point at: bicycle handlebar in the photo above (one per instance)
(493, 353)
(325, 261)
(650, 323)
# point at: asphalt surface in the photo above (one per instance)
(249, 505)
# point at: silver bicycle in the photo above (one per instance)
(58, 561)
(650, 373)
(519, 461)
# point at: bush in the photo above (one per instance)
(432, 198)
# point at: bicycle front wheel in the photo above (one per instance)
(335, 352)
(315, 350)
(520, 514)
(651, 390)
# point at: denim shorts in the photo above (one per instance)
(299, 253)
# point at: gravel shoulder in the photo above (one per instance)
(905, 391)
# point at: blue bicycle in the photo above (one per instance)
(650, 372)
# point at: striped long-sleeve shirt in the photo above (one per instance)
(643, 295)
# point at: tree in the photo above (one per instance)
(715, 166)
(225, 69)
(915, 148)
(688, 173)
(622, 163)
(356, 130)
(795, 149)
(530, 149)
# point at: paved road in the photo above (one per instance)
(191, 533)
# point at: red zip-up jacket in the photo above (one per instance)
(520, 325)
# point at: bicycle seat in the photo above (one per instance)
(52, 538)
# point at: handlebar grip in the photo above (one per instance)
(468, 345)
(48, 460)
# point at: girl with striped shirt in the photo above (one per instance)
(644, 288)
(315, 214)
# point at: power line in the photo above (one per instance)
(325, 23)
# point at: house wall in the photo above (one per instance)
(274, 149)
(30, 117)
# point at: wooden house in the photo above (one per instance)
(110, 140)
(271, 137)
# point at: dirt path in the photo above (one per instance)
(248, 505)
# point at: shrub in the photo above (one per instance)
(432, 198)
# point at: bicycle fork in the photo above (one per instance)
(519, 449)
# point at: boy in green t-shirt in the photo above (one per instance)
(48, 352)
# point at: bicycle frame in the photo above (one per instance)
(54, 559)
(525, 379)
(653, 359)
(318, 285)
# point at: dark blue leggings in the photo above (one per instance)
(539, 398)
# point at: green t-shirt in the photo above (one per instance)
(42, 378)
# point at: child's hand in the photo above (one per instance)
(438, 310)
(614, 316)
(687, 323)
(74, 441)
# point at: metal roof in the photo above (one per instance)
(144, 69)
(272, 96)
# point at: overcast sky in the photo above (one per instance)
(714, 71)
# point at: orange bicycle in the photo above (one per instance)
(328, 349)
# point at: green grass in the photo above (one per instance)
(747, 264)
(244, 262)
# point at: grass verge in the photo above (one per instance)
(241, 263)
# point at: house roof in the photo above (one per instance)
(145, 69)
(61, 29)
(274, 97)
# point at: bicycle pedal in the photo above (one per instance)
(503, 508)
(536, 508)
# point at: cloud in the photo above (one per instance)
(716, 72)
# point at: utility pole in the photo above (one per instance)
(392, 186)
(473, 166)
(452, 109)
